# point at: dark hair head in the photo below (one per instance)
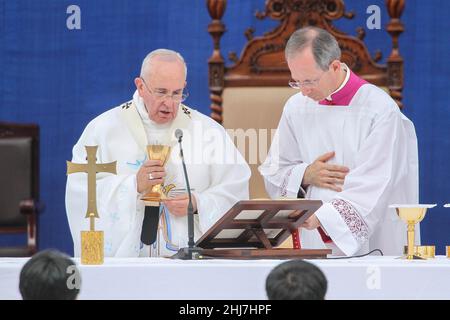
(46, 276)
(296, 280)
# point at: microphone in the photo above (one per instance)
(179, 135)
(186, 253)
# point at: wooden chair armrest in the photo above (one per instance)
(30, 206)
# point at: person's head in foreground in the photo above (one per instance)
(49, 275)
(296, 280)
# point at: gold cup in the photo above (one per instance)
(411, 214)
(162, 153)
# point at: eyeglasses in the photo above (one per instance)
(305, 84)
(162, 93)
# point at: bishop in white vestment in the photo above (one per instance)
(217, 172)
(368, 134)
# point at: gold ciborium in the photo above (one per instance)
(162, 153)
(426, 252)
(411, 214)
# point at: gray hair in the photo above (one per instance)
(324, 46)
(163, 54)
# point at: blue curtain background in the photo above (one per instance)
(61, 79)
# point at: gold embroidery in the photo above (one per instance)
(166, 189)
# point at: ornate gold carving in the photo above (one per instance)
(92, 247)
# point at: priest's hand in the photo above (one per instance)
(151, 173)
(311, 223)
(178, 206)
(324, 175)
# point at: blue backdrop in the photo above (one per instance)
(61, 78)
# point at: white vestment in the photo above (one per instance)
(375, 141)
(217, 173)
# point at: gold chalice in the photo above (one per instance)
(162, 153)
(412, 214)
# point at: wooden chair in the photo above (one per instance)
(19, 185)
(251, 92)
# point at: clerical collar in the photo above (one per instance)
(148, 123)
(346, 91)
(347, 77)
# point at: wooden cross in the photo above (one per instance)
(91, 168)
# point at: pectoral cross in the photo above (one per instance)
(91, 241)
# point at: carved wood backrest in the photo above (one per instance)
(262, 63)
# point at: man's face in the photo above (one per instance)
(162, 89)
(316, 83)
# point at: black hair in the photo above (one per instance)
(46, 276)
(296, 280)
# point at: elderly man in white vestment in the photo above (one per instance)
(345, 142)
(217, 172)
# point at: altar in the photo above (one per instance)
(372, 277)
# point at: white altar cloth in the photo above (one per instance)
(371, 277)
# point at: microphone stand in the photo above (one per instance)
(191, 252)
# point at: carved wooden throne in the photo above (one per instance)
(251, 91)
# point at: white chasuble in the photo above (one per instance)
(370, 136)
(217, 173)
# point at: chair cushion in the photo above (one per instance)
(250, 108)
(15, 181)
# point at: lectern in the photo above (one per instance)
(252, 229)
